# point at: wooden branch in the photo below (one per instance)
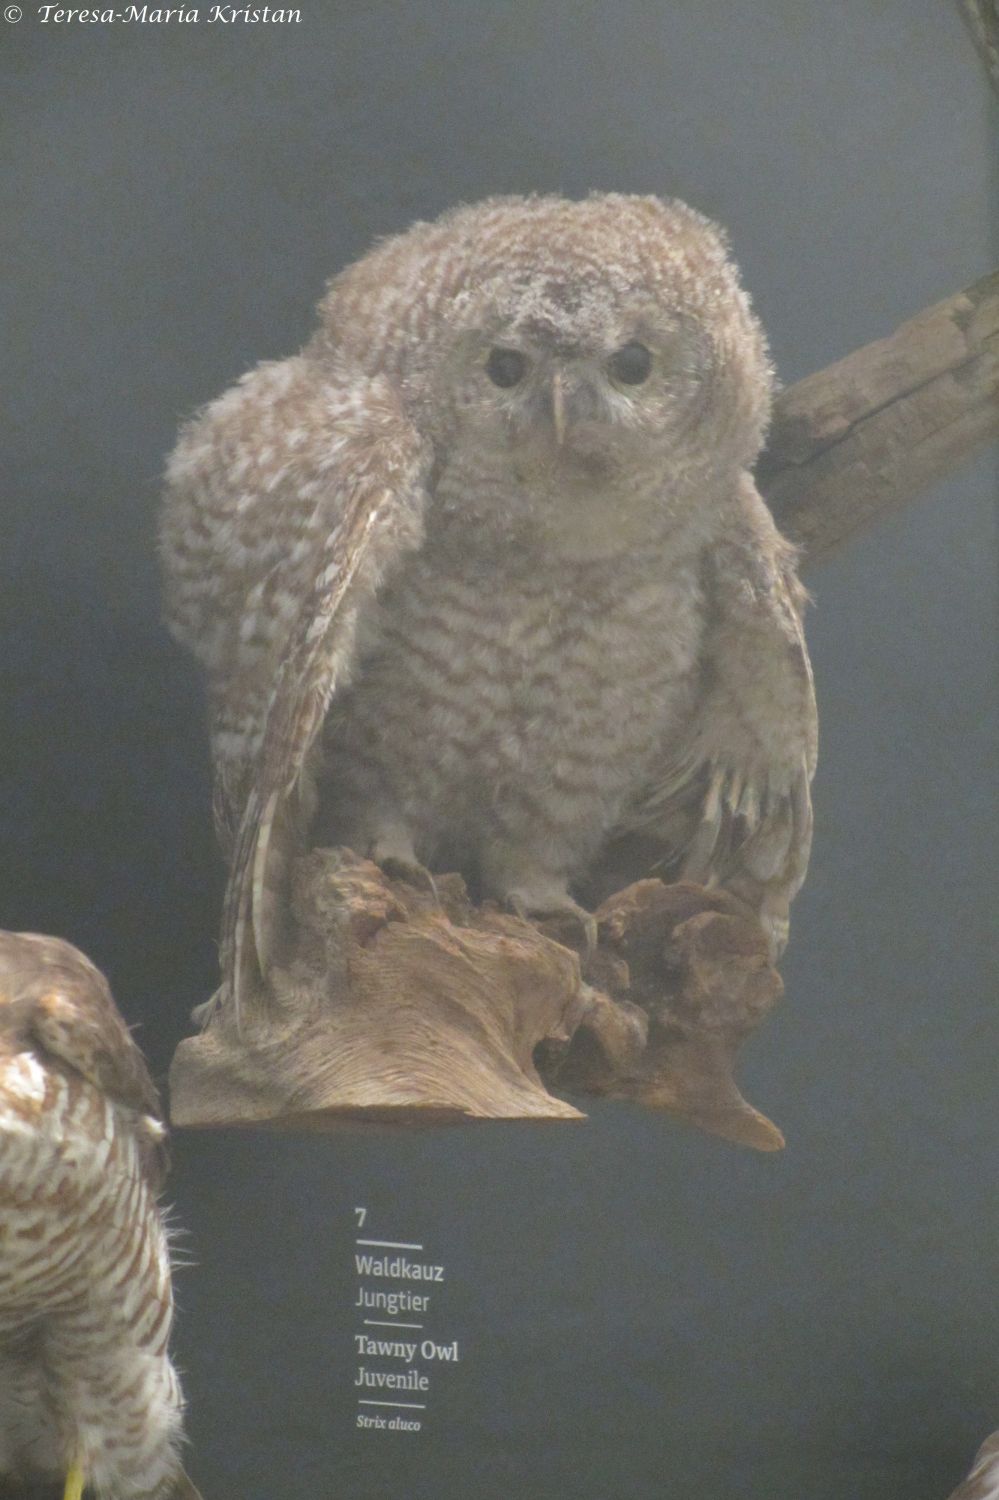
(872, 431)
(402, 1007)
(389, 1006)
(395, 1005)
(982, 17)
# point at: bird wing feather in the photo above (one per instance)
(731, 797)
(66, 1007)
(369, 517)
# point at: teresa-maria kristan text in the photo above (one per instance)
(149, 15)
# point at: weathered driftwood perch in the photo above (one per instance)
(396, 1005)
(393, 1004)
(681, 976)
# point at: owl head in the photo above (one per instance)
(576, 333)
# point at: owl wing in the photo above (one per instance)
(732, 795)
(291, 499)
(65, 1009)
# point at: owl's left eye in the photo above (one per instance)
(506, 367)
(631, 364)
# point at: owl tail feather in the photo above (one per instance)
(257, 902)
(263, 880)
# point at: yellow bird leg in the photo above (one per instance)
(74, 1484)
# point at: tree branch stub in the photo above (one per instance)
(871, 432)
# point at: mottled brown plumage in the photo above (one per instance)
(86, 1382)
(482, 574)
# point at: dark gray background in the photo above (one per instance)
(643, 1311)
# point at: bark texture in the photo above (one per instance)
(399, 1005)
(874, 430)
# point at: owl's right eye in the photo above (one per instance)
(506, 367)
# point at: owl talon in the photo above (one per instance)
(588, 926)
(411, 872)
(522, 906)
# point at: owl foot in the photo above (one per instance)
(392, 851)
(74, 1483)
(410, 872)
(526, 904)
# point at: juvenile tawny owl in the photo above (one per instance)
(481, 576)
(88, 1395)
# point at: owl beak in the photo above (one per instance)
(558, 407)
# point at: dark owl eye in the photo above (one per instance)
(631, 364)
(506, 367)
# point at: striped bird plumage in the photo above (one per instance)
(86, 1380)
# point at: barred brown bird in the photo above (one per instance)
(88, 1394)
(483, 571)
